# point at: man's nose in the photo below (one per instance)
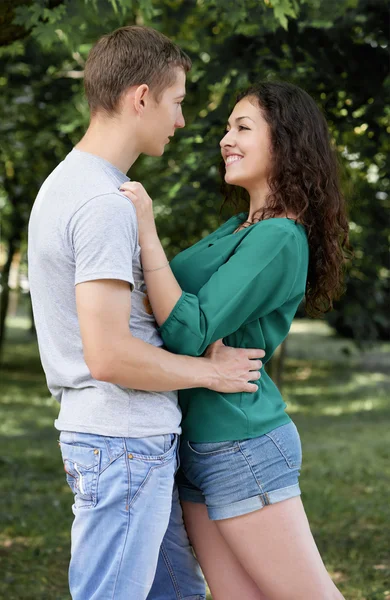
(180, 122)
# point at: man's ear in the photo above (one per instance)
(141, 97)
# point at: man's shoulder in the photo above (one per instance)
(78, 182)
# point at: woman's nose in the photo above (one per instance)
(227, 140)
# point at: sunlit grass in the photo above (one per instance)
(337, 394)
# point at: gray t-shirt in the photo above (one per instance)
(82, 229)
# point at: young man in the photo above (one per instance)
(118, 443)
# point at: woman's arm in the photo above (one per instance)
(257, 279)
(163, 289)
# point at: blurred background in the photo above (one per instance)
(334, 373)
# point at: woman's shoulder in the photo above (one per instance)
(275, 228)
(272, 238)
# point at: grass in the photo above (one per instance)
(338, 397)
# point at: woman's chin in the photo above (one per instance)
(231, 180)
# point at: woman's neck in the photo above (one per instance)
(258, 202)
(258, 197)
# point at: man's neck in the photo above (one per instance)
(105, 139)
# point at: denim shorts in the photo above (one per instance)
(238, 477)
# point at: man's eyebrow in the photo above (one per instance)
(239, 119)
(181, 96)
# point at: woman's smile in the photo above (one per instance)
(232, 158)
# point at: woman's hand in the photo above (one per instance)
(143, 203)
(163, 289)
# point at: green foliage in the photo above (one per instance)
(328, 49)
(284, 9)
(40, 19)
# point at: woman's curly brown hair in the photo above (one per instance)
(304, 181)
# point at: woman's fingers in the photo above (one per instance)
(129, 195)
(136, 190)
(133, 186)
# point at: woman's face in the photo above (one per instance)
(246, 147)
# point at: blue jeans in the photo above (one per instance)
(128, 537)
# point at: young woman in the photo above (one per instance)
(241, 453)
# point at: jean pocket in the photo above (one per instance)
(213, 448)
(156, 449)
(81, 465)
(286, 439)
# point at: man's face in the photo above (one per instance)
(161, 119)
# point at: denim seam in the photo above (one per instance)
(252, 471)
(129, 480)
(110, 463)
(145, 482)
(171, 572)
(108, 449)
(127, 533)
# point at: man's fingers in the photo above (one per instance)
(256, 365)
(255, 375)
(254, 353)
(251, 387)
(217, 343)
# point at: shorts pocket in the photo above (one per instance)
(286, 439)
(81, 465)
(213, 448)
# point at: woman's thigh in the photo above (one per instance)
(226, 577)
(251, 491)
(278, 550)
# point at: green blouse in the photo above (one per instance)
(244, 287)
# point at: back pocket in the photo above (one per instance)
(81, 465)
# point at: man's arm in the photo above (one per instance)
(112, 354)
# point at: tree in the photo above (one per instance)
(324, 48)
(11, 31)
(46, 43)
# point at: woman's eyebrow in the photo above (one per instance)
(239, 119)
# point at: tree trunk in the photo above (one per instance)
(4, 297)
